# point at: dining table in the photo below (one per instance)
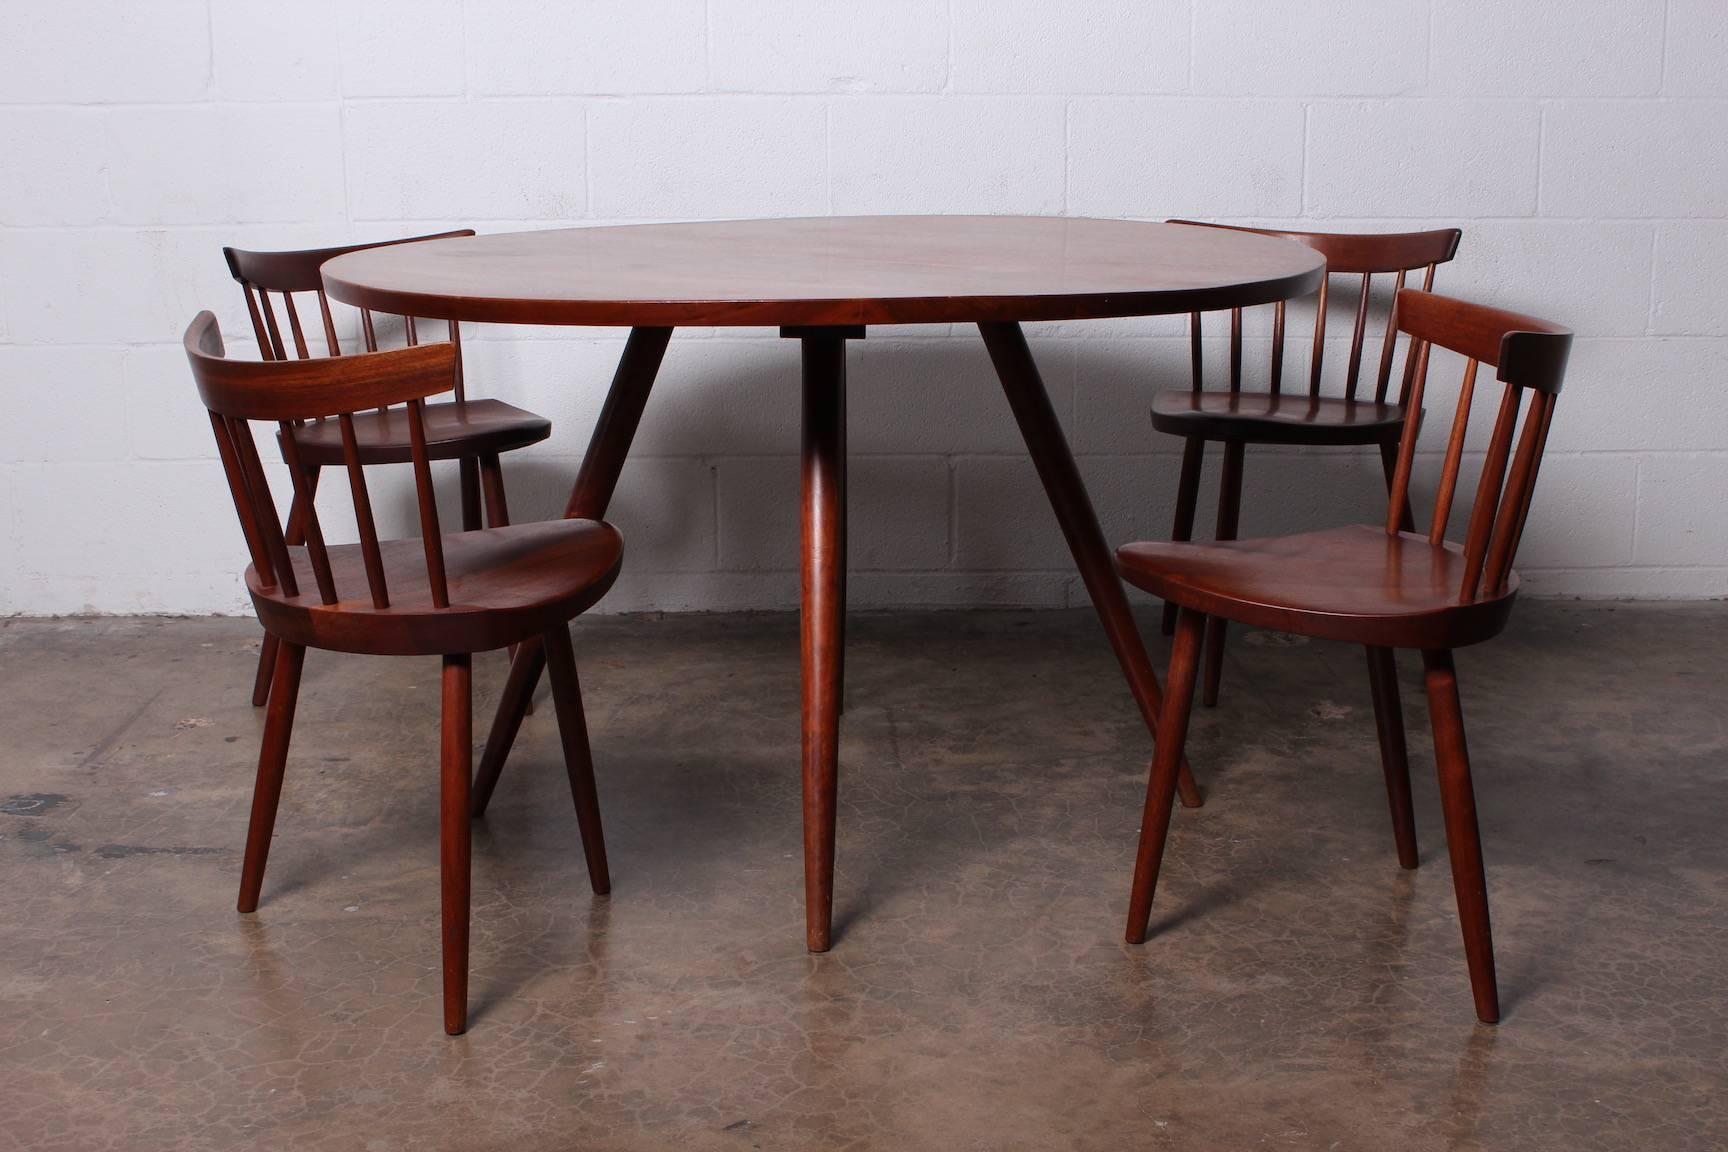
(824, 281)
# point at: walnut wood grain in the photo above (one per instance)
(827, 271)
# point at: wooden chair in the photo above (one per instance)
(444, 595)
(473, 432)
(1383, 588)
(1237, 418)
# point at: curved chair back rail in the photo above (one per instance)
(289, 273)
(236, 392)
(1361, 254)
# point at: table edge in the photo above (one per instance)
(819, 312)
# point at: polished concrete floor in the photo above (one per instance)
(1299, 991)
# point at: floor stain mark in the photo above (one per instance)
(121, 851)
(1274, 640)
(31, 804)
(34, 833)
(109, 741)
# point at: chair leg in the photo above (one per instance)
(1187, 497)
(841, 560)
(295, 534)
(492, 484)
(1166, 760)
(524, 674)
(1229, 513)
(497, 516)
(578, 760)
(454, 847)
(470, 485)
(272, 760)
(1463, 838)
(1394, 759)
(266, 668)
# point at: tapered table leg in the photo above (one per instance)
(824, 611)
(1048, 448)
(608, 447)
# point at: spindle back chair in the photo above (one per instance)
(236, 393)
(1363, 255)
(1384, 587)
(1310, 415)
(471, 432)
(440, 595)
(288, 274)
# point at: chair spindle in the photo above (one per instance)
(258, 330)
(1520, 488)
(1319, 335)
(262, 508)
(429, 531)
(1454, 457)
(241, 490)
(370, 556)
(1488, 490)
(1354, 370)
(1416, 370)
(1278, 348)
(1196, 361)
(329, 324)
(456, 341)
(307, 507)
(275, 351)
(1389, 343)
(300, 348)
(1235, 349)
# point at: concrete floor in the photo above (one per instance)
(1300, 991)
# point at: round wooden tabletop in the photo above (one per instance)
(827, 271)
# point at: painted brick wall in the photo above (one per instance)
(1579, 143)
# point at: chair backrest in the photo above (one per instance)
(288, 273)
(1529, 355)
(1364, 254)
(289, 391)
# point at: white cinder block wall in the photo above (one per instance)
(1580, 144)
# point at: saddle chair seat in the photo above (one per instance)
(506, 585)
(1354, 583)
(454, 429)
(1275, 417)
